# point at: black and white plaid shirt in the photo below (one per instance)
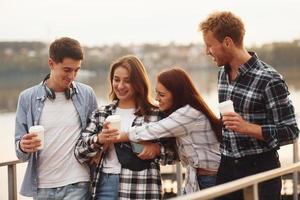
(145, 184)
(260, 96)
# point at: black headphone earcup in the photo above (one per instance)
(53, 96)
(68, 93)
(49, 92)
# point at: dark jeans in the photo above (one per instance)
(231, 169)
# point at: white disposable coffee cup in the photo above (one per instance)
(39, 130)
(114, 121)
(226, 106)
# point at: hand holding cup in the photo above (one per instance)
(110, 129)
(34, 140)
(226, 107)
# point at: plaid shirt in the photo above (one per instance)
(260, 96)
(197, 144)
(145, 184)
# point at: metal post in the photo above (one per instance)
(178, 178)
(12, 182)
(295, 173)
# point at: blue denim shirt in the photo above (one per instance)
(30, 106)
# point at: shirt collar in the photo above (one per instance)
(41, 93)
(246, 66)
(249, 64)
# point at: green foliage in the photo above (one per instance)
(23, 64)
(280, 54)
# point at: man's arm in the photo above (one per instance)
(21, 127)
(282, 115)
(282, 126)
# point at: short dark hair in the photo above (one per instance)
(65, 48)
(224, 24)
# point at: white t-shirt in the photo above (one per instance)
(111, 164)
(57, 165)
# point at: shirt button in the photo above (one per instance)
(236, 161)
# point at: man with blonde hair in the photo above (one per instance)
(264, 116)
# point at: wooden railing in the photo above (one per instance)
(12, 178)
(248, 185)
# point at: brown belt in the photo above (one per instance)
(206, 172)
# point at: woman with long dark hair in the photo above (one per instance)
(190, 121)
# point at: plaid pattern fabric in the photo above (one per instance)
(197, 144)
(260, 96)
(145, 184)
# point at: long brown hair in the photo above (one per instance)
(139, 81)
(184, 92)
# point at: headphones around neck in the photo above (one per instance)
(69, 92)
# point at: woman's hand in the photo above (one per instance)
(107, 133)
(150, 151)
(120, 136)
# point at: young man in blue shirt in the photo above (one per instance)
(62, 106)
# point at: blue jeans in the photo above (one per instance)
(108, 187)
(75, 191)
(206, 181)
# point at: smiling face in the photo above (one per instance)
(122, 86)
(62, 73)
(164, 97)
(216, 49)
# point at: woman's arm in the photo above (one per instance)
(175, 125)
(93, 138)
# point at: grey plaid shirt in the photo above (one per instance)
(260, 96)
(197, 144)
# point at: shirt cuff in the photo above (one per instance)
(94, 143)
(269, 135)
(132, 135)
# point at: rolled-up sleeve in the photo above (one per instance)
(85, 147)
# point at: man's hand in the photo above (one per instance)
(235, 122)
(150, 151)
(29, 143)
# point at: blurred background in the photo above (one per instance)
(161, 33)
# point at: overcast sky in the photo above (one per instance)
(97, 22)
